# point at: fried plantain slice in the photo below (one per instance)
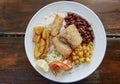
(46, 33)
(36, 38)
(46, 48)
(38, 30)
(39, 48)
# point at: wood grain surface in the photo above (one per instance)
(14, 65)
(15, 14)
(16, 69)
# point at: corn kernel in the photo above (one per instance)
(84, 47)
(85, 51)
(77, 62)
(88, 60)
(87, 54)
(91, 52)
(82, 60)
(90, 55)
(88, 49)
(74, 57)
(80, 54)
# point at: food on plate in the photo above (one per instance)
(82, 53)
(53, 56)
(69, 42)
(38, 30)
(36, 51)
(62, 48)
(47, 44)
(46, 33)
(55, 66)
(46, 36)
(43, 65)
(42, 40)
(82, 25)
(72, 36)
(36, 38)
(39, 48)
(56, 25)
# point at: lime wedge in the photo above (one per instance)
(43, 65)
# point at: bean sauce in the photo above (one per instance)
(82, 25)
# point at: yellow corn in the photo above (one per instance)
(83, 53)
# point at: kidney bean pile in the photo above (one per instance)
(82, 25)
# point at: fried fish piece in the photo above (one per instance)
(56, 25)
(62, 48)
(39, 48)
(72, 36)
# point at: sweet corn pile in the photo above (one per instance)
(82, 53)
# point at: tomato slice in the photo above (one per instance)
(59, 65)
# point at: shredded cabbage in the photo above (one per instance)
(53, 56)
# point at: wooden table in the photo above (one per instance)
(14, 65)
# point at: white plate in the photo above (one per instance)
(83, 70)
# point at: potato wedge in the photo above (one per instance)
(38, 30)
(46, 33)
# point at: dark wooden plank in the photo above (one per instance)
(14, 65)
(108, 11)
(15, 14)
(16, 69)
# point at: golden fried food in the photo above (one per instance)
(46, 33)
(36, 51)
(39, 48)
(36, 38)
(47, 45)
(61, 47)
(72, 35)
(42, 40)
(38, 30)
(46, 37)
(56, 25)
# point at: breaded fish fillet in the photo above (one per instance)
(72, 35)
(56, 25)
(62, 48)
